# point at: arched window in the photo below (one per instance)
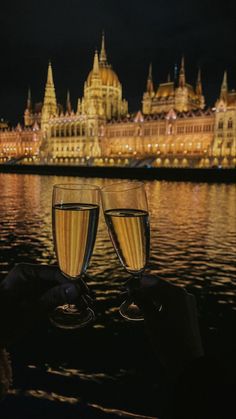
(170, 129)
(230, 123)
(67, 130)
(72, 128)
(221, 124)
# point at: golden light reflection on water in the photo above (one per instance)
(193, 232)
(54, 397)
(193, 242)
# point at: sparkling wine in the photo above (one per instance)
(130, 235)
(74, 231)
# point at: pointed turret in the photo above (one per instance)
(103, 55)
(224, 88)
(182, 80)
(95, 63)
(175, 74)
(150, 89)
(168, 78)
(28, 114)
(199, 92)
(50, 96)
(78, 106)
(49, 104)
(199, 83)
(68, 102)
(29, 101)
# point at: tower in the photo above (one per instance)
(225, 123)
(200, 97)
(28, 117)
(29, 101)
(103, 55)
(103, 90)
(93, 97)
(150, 89)
(182, 78)
(68, 102)
(149, 94)
(224, 88)
(199, 83)
(49, 104)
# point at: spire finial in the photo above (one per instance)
(149, 80)
(103, 55)
(96, 63)
(224, 87)
(182, 80)
(50, 103)
(49, 78)
(29, 102)
(68, 102)
(199, 83)
(150, 71)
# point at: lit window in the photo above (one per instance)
(220, 125)
(230, 123)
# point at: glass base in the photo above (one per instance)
(131, 311)
(69, 317)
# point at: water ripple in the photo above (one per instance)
(193, 244)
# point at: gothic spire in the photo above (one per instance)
(49, 78)
(199, 83)
(96, 63)
(182, 80)
(50, 96)
(103, 55)
(224, 87)
(79, 106)
(50, 103)
(149, 80)
(68, 102)
(29, 101)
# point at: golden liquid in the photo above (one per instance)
(74, 230)
(130, 235)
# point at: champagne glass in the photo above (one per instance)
(75, 212)
(126, 214)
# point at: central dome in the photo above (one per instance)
(108, 77)
(103, 90)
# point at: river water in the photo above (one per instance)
(193, 243)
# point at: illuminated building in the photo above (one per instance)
(224, 141)
(19, 143)
(72, 134)
(174, 129)
(181, 97)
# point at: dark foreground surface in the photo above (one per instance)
(118, 374)
(173, 174)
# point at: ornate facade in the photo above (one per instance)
(224, 141)
(72, 134)
(18, 143)
(181, 96)
(174, 129)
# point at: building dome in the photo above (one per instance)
(107, 75)
(103, 90)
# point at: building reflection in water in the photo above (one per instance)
(193, 232)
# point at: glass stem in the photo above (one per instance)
(134, 282)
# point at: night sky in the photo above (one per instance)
(136, 31)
